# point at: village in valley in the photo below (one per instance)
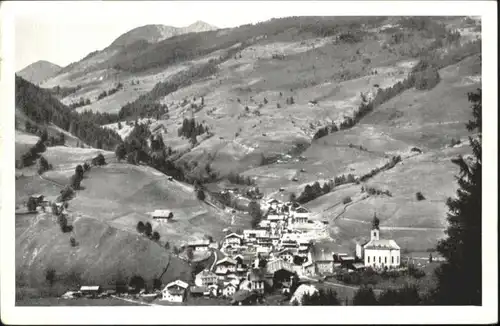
(300, 160)
(278, 257)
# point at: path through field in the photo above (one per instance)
(136, 301)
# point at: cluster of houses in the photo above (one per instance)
(275, 254)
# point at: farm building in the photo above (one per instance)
(92, 290)
(38, 198)
(162, 214)
(200, 245)
(175, 291)
(198, 291)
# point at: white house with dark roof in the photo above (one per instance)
(301, 215)
(379, 253)
(225, 265)
(175, 291)
(205, 278)
(233, 240)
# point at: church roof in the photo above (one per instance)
(382, 244)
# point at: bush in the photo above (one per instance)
(148, 229)
(365, 297)
(31, 204)
(155, 236)
(137, 282)
(200, 194)
(405, 296)
(66, 194)
(140, 227)
(43, 165)
(321, 298)
(419, 196)
(73, 242)
(347, 200)
(99, 160)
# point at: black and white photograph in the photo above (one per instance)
(189, 157)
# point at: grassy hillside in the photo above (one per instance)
(102, 254)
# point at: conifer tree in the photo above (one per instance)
(462, 247)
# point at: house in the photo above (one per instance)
(273, 203)
(199, 291)
(254, 281)
(162, 215)
(229, 290)
(200, 245)
(264, 224)
(279, 264)
(285, 254)
(251, 235)
(214, 289)
(380, 253)
(301, 215)
(288, 244)
(92, 290)
(264, 241)
(205, 278)
(275, 217)
(347, 261)
(358, 266)
(175, 291)
(233, 240)
(299, 293)
(281, 272)
(225, 265)
(323, 261)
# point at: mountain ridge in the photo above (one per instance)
(39, 71)
(154, 33)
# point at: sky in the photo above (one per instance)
(64, 32)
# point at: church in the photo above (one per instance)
(379, 253)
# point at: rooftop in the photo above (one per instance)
(206, 273)
(198, 289)
(161, 213)
(199, 243)
(180, 283)
(382, 245)
(233, 235)
(322, 256)
(226, 260)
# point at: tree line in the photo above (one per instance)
(110, 92)
(41, 107)
(424, 76)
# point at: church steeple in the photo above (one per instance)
(375, 232)
(375, 222)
